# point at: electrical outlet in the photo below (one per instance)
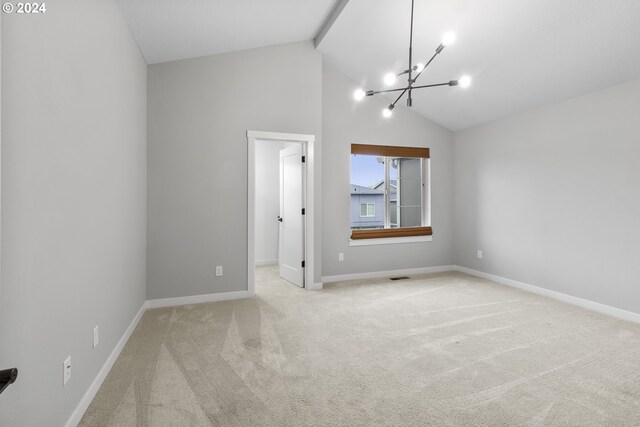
(96, 336)
(340, 256)
(66, 371)
(479, 254)
(218, 270)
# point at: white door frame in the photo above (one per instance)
(308, 142)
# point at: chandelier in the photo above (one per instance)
(418, 68)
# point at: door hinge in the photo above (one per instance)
(302, 211)
(304, 159)
(302, 264)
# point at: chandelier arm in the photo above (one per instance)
(418, 75)
(398, 98)
(402, 73)
(433, 85)
(375, 92)
(425, 66)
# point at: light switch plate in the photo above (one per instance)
(96, 336)
(66, 371)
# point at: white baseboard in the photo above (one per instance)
(197, 299)
(265, 262)
(78, 413)
(315, 286)
(388, 273)
(591, 305)
(86, 400)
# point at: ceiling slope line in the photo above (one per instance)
(331, 18)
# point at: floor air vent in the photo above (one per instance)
(400, 278)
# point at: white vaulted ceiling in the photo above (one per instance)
(521, 54)
(167, 30)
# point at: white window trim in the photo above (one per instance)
(424, 172)
(426, 211)
(390, 240)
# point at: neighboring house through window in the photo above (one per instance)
(389, 191)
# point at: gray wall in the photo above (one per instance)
(552, 197)
(73, 201)
(346, 122)
(199, 112)
(267, 157)
(0, 169)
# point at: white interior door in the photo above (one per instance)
(291, 250)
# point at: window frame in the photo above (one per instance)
(390, 152)
(366, 204)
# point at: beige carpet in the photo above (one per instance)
(445, 349)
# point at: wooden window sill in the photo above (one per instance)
(391, 232)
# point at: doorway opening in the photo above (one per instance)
(280, 217)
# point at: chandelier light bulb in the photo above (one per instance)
(386, 113)
(448, 38)
(464, 81)
(359, 94)
(419, 67)
(389, 79)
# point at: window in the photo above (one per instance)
(389, 192)
(367, 210)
